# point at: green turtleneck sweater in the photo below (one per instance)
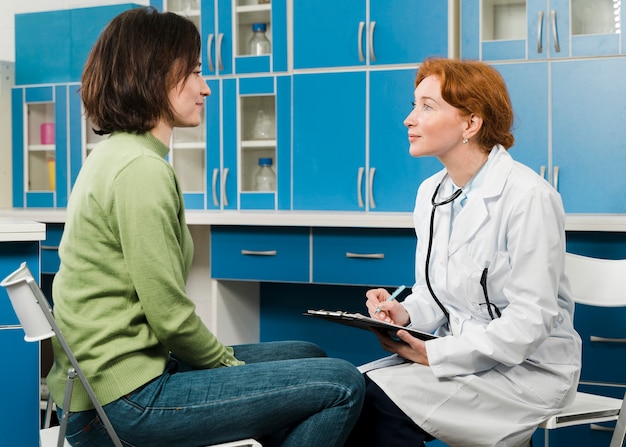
(119, 296)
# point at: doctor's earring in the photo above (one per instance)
(465, 140)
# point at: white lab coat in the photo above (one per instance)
(489, 383)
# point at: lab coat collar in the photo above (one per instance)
(475, 212)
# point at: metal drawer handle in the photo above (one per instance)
(224, 192)
(539, 32)
(365, 255)
(209, 44)
(360, 37)
(218, 51)
(595, 338)
(371, 41)
(259, 253)
(555, 177)
(359, 182)
(50, 247)
(216, 172)
(600, 427)
(370, 184)
(555, 34)
(542, 172)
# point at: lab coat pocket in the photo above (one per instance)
(492, 286)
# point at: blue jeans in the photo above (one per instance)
(287, 394)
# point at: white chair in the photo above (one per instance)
(35, 316)
(595, 282)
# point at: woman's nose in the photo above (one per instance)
(206, 90)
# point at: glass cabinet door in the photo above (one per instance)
(595, 26)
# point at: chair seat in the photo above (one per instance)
(586, 409)
(49, 437)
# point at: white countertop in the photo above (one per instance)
(15, 229)
(348, 219)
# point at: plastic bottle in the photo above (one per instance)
(265, 177)
(263, 125)
(259, 43)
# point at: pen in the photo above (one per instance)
(393, 296)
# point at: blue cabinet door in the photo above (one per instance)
(527, 83)
(221, 134)
(19, 374)
(213, 145)
(329, 33)
(493, 31)
(588, 116)
(329, 141)
(407, 31)
(393, 173)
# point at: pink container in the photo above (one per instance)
(47, 133)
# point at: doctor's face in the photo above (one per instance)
(435, 127)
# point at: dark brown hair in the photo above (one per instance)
(475, 87)
(139, 57)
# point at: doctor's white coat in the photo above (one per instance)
(490, 382)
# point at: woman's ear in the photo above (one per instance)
(473, 124)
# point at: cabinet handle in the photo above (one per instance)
(371, 41)
(218, 50)
(224, 195)
(365, 255)
(209, 44)
(555, 34)
(555, 177)
(539, 31)
(259, 253)
(595, 338)
(216, 172)
(370, 184)
(542, 171)
(360, 42)
(598, 427)
(359, 182)
(49, 247)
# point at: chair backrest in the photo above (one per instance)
(28, 302)
(596, 282)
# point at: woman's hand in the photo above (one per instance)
(381, 309)
(410, 348)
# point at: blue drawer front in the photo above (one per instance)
(50, 249)
(603, 361)
(260, 253)
(12, 254)
(363, 256)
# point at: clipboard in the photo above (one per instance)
(362, 322)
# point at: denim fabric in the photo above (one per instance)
(288, 394)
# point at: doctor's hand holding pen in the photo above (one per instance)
(383, 306)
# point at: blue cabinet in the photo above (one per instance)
(19, 373)
(538, 29)
(40, 159)
(352, 154)
(52, 46)
(561, 62)
(226, 28)
(329, 33)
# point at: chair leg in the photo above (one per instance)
(69, 386)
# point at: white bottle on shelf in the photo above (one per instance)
(265, 177)
(259, 43)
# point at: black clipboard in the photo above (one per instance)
(362, 322)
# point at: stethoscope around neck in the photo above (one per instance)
(483, 280)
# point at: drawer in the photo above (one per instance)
(603, 332)
(260, 253)
(50, 249)
(361, 256)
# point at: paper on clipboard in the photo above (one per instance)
(361, 321)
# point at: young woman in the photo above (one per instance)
(162, 376)
(489, 281)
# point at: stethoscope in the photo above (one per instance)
(483, 280)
